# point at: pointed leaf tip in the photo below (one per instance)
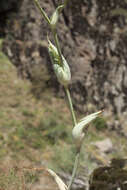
(55, 16)
(78, 132)
(58, 180)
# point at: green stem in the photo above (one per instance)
(57, 46)
(66, 89)
(71, 110)
(74, 170)
(71, 106)
(42, 11)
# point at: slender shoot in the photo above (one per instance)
(74, 170)
(71, 106)
(42, 11)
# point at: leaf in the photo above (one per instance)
(58, 180)
(77, 131)
(55, 16)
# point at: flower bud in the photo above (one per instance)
(78, 132)
(55, 16)
(61, 70)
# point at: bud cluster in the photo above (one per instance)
(61, 70)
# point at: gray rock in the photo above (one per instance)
(104, 146)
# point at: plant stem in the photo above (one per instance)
(60, 55)
(71, 109)
(74, 170)
(71, 106)
(57, 46)
(66, 89)
(42, 11)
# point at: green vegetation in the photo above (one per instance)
(17, 179)
(64, 157)
(11, 181)
(30, 128)
(34, 124)
(27, 123)
(100, 123)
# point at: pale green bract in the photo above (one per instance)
(61, 70)
(55, 16)
(78, 132)
(58, 180)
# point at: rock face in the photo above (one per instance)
(110, 177)
(93, 37)
(7, 7)
(104, 146)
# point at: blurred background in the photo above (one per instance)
(35, 122)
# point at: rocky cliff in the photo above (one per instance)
(93, 37)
